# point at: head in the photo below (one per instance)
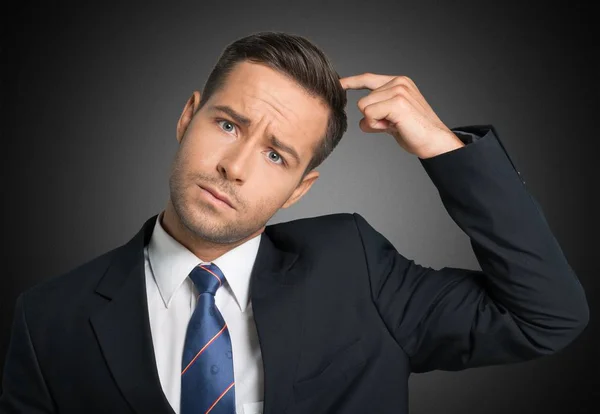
(271, 111)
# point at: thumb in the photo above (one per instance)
(375, 126)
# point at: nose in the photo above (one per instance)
(235, 164)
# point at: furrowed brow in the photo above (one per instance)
(285, 148)
(241, 119)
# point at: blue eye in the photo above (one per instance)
(282, 161)
(273, 151)
(226, 121)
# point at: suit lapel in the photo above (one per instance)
(277, 296)
(122, 326)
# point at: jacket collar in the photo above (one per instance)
(123, 331)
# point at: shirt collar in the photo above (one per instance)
(171, 263)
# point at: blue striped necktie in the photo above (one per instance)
(207, 382)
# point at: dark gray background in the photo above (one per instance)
(91, 96)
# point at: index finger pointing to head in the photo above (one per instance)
(365, 81)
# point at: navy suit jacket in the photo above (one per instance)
(343, 318)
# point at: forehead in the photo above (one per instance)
(270, 98)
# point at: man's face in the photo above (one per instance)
(240, 161)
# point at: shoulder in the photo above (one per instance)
(317, 230)
(323, 225)
(332, 222)
(62, 288)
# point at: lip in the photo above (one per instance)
(217, 195)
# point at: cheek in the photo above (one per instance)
(201, 151)
(269, 194)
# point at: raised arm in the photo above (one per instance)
(525, 302)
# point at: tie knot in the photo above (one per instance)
(207, 278)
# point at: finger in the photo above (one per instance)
(365, 81)
(384, 94)
(392, 110)
(377, 127)
(412, 88)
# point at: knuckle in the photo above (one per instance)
(401, 101)
(362, 103)
(399, 89)
(411, 82)
(405, 80)
(397, 80)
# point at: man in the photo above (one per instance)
(209, 310)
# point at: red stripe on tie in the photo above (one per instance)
(220, 396)
(203, 348)
(211, 272)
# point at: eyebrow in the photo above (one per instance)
(241, 119)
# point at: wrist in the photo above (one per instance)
(447, 143)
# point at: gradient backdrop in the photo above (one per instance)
(91, 96)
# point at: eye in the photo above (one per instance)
(279, 157)
(226, 123)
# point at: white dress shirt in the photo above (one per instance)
(172, 300)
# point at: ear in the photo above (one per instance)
(302, 188)
(190, 108)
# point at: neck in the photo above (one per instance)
(203, 249)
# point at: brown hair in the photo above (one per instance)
(298, 58)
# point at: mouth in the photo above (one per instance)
(215, 197)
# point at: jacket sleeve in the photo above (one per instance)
(23, 387)
(526, 300)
